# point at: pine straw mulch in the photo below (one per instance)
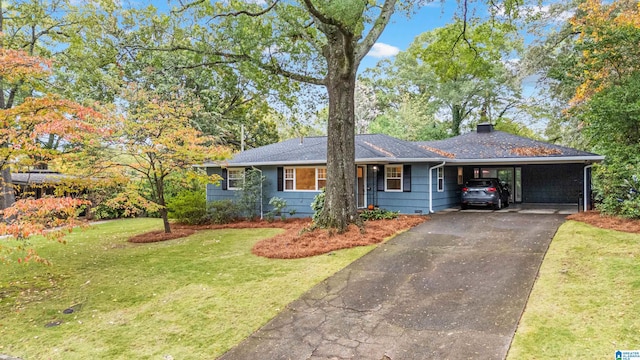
(296, 241)
(607, 222)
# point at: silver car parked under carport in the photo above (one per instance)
(485, 192)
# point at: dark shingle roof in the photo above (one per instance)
(494, 146)
(313, 150)
(500, 145)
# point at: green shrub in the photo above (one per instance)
(617, 188)
(250, 196)
(189, 207)
(109, 205)
(223, 212)
(379, 214)
(278, 205)
(318, 205)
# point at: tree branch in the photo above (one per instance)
(463, 34)
(321, 17)
(230, 14)
(275, 68)
(363, 47)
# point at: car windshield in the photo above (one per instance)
(479, 183)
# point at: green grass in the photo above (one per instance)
(585, 303)
(191, 298)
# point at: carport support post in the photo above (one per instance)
(584, 193)
(431, 185)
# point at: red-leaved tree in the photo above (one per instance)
(24, 125)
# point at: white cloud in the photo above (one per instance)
(557, 14)
(554, 12)
(381, 50)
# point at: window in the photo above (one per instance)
(393, 177)
(460, 177)
(235, 179)
(304, 178)
(322, 178)
(440, 179)
(289, 178)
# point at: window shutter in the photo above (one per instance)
(380, 178)
(280, 170)
(406, 178)
(224, 179)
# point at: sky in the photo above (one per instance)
(402, 30)
(403, 27)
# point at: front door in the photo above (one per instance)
(361, 194)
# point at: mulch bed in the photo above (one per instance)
(607, 222)
(291, 245)
(296, 241)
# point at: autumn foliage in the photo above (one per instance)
(152, 140)
(23, 126)
(17, 65)
(28, 217)
(608, 43)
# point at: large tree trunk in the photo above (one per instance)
(8, 192)
(457, 115)
(164, 214)
(165, 220)
(340, 201)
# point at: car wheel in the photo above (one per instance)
(498, 206)
(464, 206)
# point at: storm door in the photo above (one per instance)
(361, 194)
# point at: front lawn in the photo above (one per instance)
(189, 298)
(584, 304)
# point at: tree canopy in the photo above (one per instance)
(460, 71)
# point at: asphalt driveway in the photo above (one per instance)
(451, 288)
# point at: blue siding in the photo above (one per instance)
(540, 183)
(450, 197)
(300, 201)
(415, 201)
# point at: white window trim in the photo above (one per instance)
(285, 179)
(440, 177)
(318, 178)
(295, 176)
(386, 189)
(229, 171)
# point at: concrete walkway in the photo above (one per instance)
(451, 288)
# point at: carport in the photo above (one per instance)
(530, 208)
(536, 172)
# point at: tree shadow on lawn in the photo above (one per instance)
(297, 241)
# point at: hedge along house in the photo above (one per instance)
(413, 178)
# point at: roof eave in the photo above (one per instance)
(531, 160)
(386, 160)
